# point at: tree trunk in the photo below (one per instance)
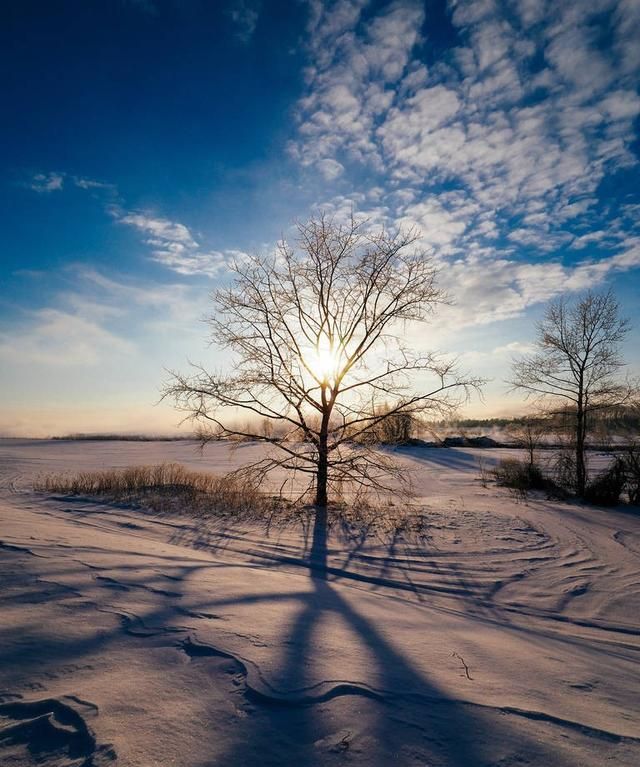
(321, 480)
(322, 474)
(581, 468)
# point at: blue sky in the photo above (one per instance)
(149, 142)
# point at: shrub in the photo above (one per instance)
(396, 429)
(565, 471)
(631, 461)
(484, 472)
(519, 476)
(606, 489)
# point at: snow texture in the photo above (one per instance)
(509, 634)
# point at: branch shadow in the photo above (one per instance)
(401, 717)
(396, 714)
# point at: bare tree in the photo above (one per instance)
(530, 433)
(316, 331)
(576, 370)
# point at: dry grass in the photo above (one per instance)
(384, 520)
(164, 487)
(172, 488)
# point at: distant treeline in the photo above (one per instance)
(126, 437)
(478, 423)
(402, 428)
(623, 419)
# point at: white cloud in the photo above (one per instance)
(352, 78)
(61, 338)
(173, 245)
(89, 183)
(496, 150)
(55, 182)
(161, 229)
(440, 219)
(513, 347)
(527, 116)
(101, 319)
(47, 182)
(174, 300)
(490, 289)
(330, 169)
(245, 14)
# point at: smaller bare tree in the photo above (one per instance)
(529, 432)
(576, 369)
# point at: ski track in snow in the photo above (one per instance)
(137, 639)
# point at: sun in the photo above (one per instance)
(324, 360)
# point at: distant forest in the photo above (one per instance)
(622, 420)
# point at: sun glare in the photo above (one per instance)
(323, 361)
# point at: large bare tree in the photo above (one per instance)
(576, 369)
(316, 331)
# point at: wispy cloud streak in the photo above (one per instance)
(173, 245)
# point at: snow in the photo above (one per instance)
(508, 635)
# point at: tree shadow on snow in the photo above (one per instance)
(394, 715)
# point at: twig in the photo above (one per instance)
(466, 668)
(344, 743)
